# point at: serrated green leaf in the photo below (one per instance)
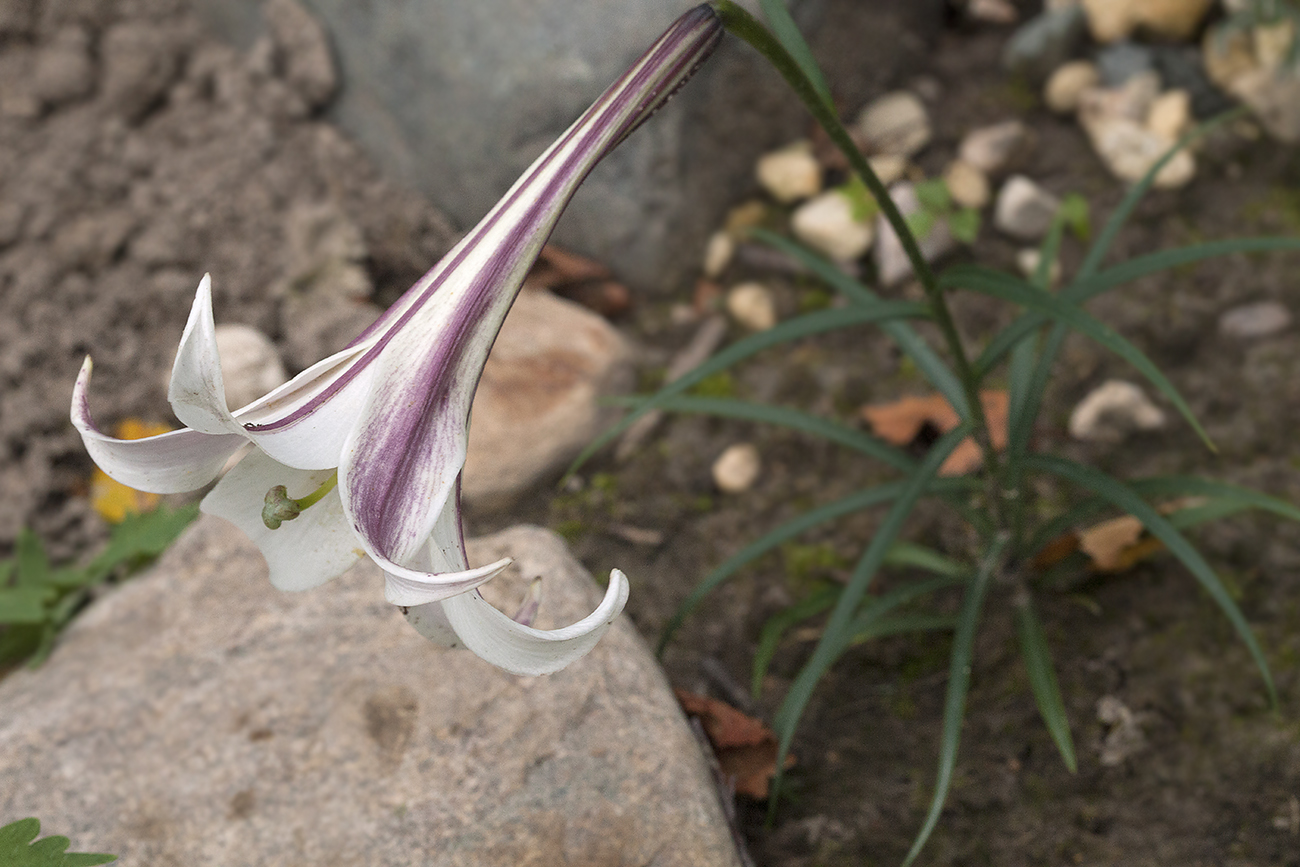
(1130, 501)
(25, 604)
(1008, 288)
(862, 205)
(1074, 213)
(954, 703)
(839, 628)
(921, 223)
(933, 195)
(1042, 681)
(33, 564)
(18, 850)
(141, 536)
(964, 225)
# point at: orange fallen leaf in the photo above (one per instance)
(746, 749)
(1116, 545)
(114, 500)
(902, 421)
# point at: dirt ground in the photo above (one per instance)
(118, 192)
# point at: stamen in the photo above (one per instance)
(278, 507)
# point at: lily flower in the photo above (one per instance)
(361, 454)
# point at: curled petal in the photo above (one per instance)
(523, 650)
(169, 463)
(197, 393)
(403, 586)
(431, 622)
(303, 553)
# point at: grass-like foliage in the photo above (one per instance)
(998, 501)
(38, 599)
(20, 848)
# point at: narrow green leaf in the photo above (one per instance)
(1009, 288)
(912, 345)
(793, 419)
(1130, 501)
(921, 557)
(839, 629)
(780, 623)
(1195, 486)
(954, 703)
(1092, 262)
(901, 625)
(809, 324)
(791, 529)
(1042, 680)
(787, 33)
(1082, 290)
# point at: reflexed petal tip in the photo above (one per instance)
(410, 587)
(169, 463)
(523, 650)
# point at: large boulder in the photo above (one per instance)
(456, 99)
(197, 716)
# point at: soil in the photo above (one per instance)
(121, 183)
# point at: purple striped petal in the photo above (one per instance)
(399, 465)
(169, 463)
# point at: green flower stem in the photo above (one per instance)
(745, 26)
(315, 496)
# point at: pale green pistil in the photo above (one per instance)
(278, 507)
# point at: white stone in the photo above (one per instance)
(993, 11)
(1113, 20)
(1132, 100)
(753, 306)
(1170, 115)
(827, 224)
(1114, 410)
(1024, 209)
(718, 254)
(896, 123)
(536, 405)
(892, 264)
(1027, 261)
(250, 364)
(195, 715)
(1129, 150)
(888, 167)
(1274, 97)
(1251, 321)
(1067, 85)
(968, 186)
(790, 174)
(994, 149)
(737, 468)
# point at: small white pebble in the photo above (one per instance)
(1027, 260)
(1114, 410)
(737, 468)
(790, 174)
(250, 364)
(718, 253)
(827, 224)
(752, 305)
(968, 186)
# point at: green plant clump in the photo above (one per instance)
(1000, 502)
(37, 599)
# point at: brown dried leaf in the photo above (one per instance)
(902, 421)
(559, 267)
(746, 749)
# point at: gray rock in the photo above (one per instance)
(1250, 321)
(1120, 61)
(892, 264)
(1024, 210)
(1044, 42)
(306, 61)
(536, 403)
(456, 99)
(1180, 66)
(197, 716)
